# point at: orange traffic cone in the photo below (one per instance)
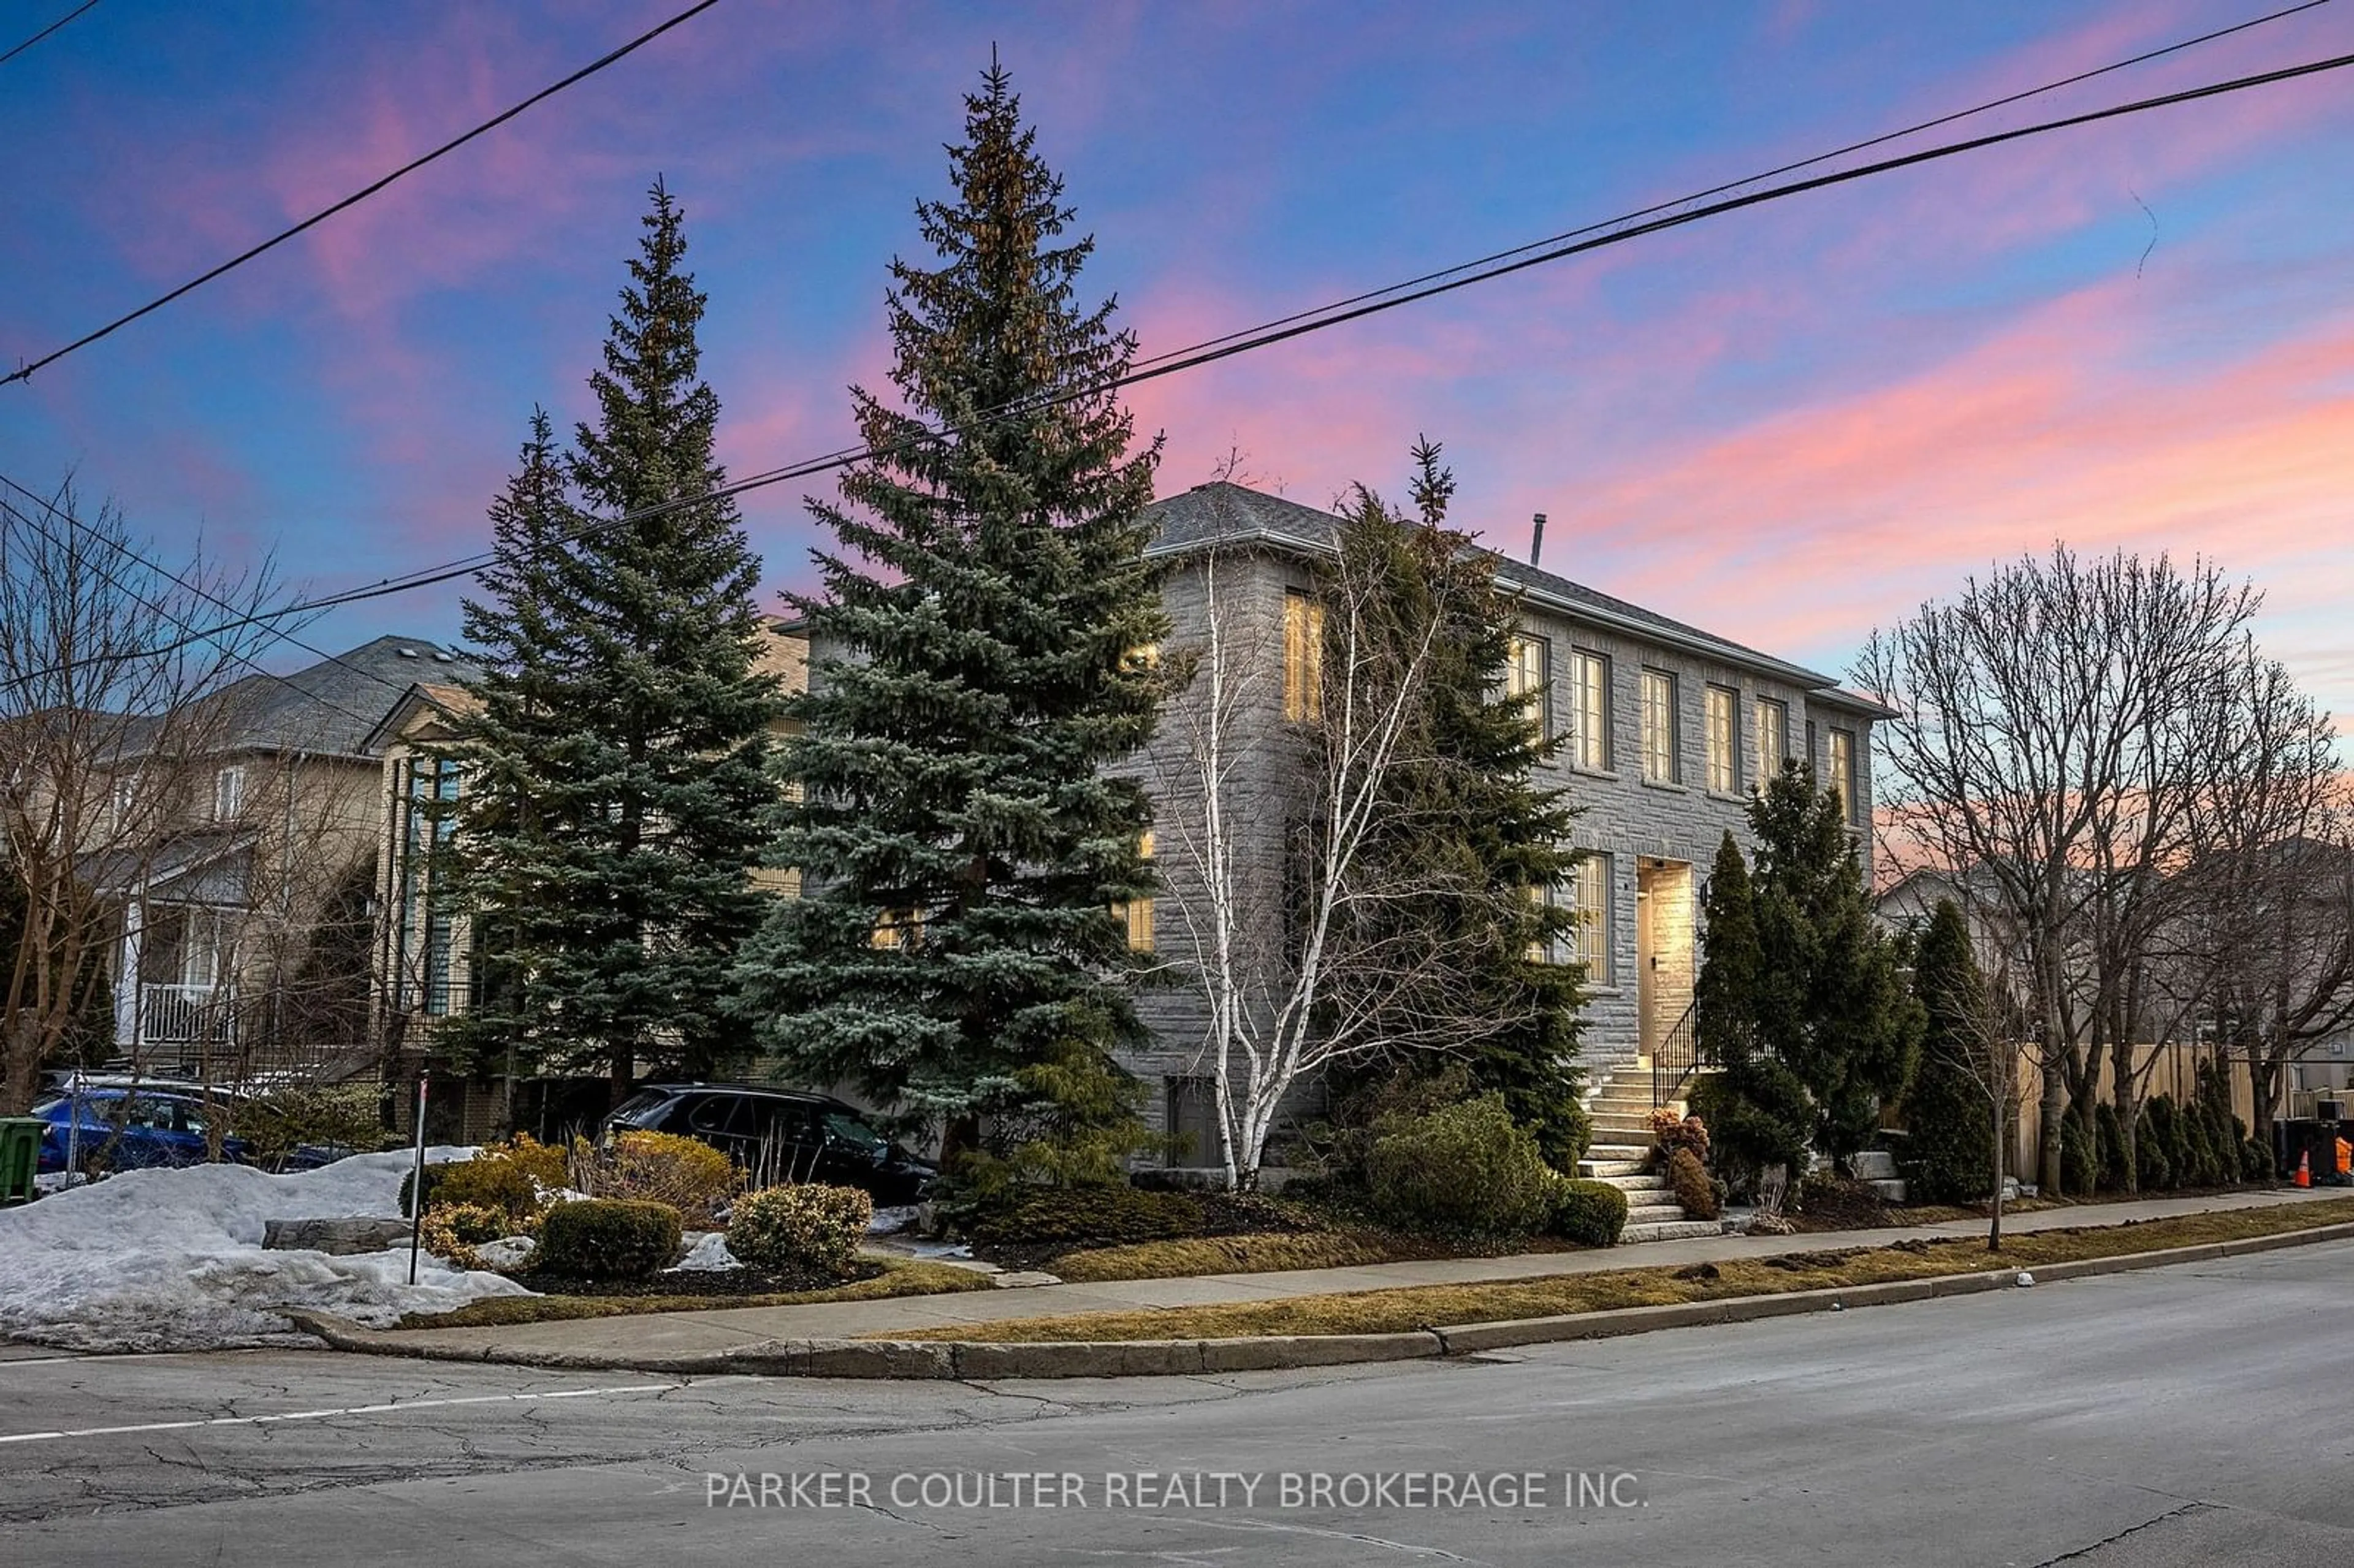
(2305, 1168)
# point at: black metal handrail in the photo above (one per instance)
(1676, 1058)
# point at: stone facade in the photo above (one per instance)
(1654, 838)
(1248, 552)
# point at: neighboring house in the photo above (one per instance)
(247, 855)
(423, 960)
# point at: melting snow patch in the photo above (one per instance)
(889, 1221)
(709, 1254)
(172, 1260)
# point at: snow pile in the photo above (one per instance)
(890, 1221)
(708, 1253)
(172, 1260)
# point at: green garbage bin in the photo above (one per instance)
(20, 1156)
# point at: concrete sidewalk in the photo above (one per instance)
(675, 1334)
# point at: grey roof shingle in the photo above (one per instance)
(1222, 512)
(334, 705)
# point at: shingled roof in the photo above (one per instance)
(1223, 513)
(333, 706)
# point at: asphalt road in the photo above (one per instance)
(2191, 1415)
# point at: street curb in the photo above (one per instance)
(989, 1361)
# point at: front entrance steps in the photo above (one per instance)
(1618, 1106)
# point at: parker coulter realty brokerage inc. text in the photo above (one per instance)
(1167, 1489)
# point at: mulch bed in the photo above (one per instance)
(736, 1281)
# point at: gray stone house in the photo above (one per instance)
(1668, 729)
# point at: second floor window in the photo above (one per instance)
(1843, 779)
(1303, 657)
(229, 794)
(1724, 740)
(1137, 913)
(1589, 711)
(1773, 739)
(1528, 677)
(1658, 727)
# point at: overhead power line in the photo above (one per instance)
(1871, 142)
(1358, 307)
(52, 507)
(44, 32)
(154, 609)
(25, 372)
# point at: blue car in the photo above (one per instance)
(129, 1129)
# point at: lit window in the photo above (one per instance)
(1137, 913)
(1303, 657)
(1773, 739)
(1591, 938)
(1658, 727)
(1589, 700)
(1143, 656)
(229, 794)
(1528, 677)
(1723, 735)
(1843, 779)
(898, 930)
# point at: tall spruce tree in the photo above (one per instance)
(976, 668)
(1465, 820)
(614, 752)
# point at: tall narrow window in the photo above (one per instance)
(1589, 702)
(1303, 657)
(229, 794)
(1844, 780)
(1724, 740)
(1528, 676)
(201, 933)
(1773, 739)
(1591, 940)
(1658, 727)
(1137, 913)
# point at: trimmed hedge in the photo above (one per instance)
(782, 1229)
(609, 1238)
(1591, 1214)
(1114, 1215)
(1463, 1169)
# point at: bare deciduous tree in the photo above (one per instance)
(1275, 761)
(2056, 725)
(110, 709)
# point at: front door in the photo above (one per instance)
(1664, 956)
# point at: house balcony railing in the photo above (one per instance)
(185, 1015)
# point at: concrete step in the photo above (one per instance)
(1653, 1214)
(1670, 1230)
(1604, 1169)
(1890, 1188)
(1608, 1149)
(1630, 1185)
(1874, 1165)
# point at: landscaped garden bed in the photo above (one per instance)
(1421, 1307)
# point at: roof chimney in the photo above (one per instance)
(1536, 539)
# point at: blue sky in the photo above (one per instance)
(1789, 425)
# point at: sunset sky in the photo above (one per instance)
(1787, 425)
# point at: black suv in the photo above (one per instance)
(780, 1135)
